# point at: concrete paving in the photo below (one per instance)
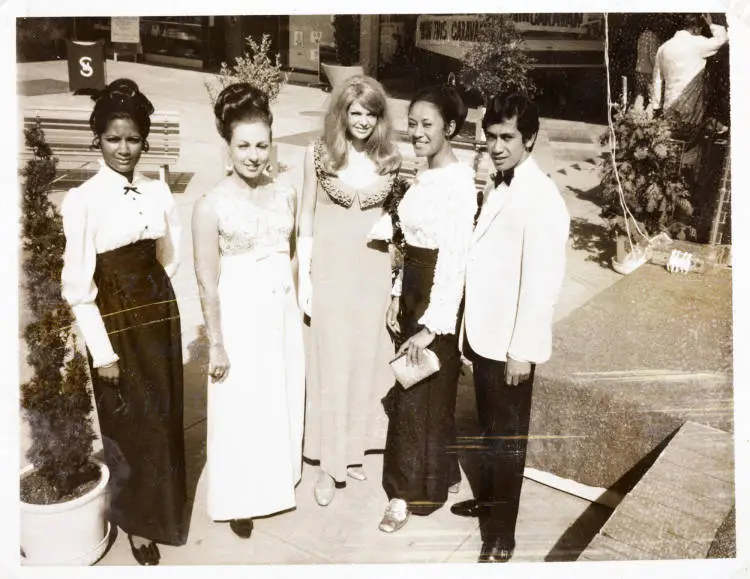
(552, 525)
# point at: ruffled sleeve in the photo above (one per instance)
(456, 224)
(78, 287)
(168, 246)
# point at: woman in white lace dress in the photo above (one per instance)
(436, 219)
(242, 231)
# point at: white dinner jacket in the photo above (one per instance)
(516, 268)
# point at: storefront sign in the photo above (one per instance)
(452, 35)
(126, 29)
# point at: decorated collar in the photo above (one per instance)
(342, 194)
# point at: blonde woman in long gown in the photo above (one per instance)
(242, 235)
(345, 283)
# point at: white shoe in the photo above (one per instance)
(325, 487)
(454, 489)
(395, 516)
(356, 472)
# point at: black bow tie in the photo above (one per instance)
(129, 188)
(505, 177)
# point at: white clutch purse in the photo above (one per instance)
(409, 374)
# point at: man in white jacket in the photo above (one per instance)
(513, 279)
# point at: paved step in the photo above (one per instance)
(677, 507)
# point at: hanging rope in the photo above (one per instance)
(613, 143)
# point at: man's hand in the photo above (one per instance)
(516, 372)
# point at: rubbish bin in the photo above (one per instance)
(86, 66)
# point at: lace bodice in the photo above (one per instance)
(259, 219)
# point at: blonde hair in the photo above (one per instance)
(379, 146)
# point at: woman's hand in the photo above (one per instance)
(110, 373)
(415, 345)
(218, 363)
(304, 293)
(391, 317)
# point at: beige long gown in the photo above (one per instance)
(348, 345)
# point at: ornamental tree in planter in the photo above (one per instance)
(648, 162)
(56, 400)
(497, 63)
(346, 43)
(255, 67)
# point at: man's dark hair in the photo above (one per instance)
(504, 107)
(692, 22)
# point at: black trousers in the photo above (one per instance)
(504, 413)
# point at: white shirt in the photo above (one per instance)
(679, 60)
(100, 216)
(437, 212)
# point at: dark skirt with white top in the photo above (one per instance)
(420, 460)
(142, 428)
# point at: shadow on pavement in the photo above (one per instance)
(196, 375)
(594, 239)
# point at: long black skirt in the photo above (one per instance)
(420, 460)
(142, 430)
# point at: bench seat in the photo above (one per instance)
(68, 134)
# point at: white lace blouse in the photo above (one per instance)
(102, 215)
(437, 212)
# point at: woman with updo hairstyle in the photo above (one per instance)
(122, 234)
(434, 222)
(345, 282)
(242, 234)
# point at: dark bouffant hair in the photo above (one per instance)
(448, 102)
(504, 107)
(240, 102)
(121, 99)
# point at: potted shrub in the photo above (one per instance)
(650, 175)
(346, 44)
(256, 68)
(63, 496)
(654, 187)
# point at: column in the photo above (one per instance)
(369, 39)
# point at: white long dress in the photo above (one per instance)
(255, 417)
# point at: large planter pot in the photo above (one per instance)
(70, 533)
(337, 74)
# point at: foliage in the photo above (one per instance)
(497, 63)
(56, 399)
(648, 163)
(40, 38)
(254, 67)
(346, 38)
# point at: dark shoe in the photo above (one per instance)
(148, 554)
(496, 551)
(243, 528)
(470, 508)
